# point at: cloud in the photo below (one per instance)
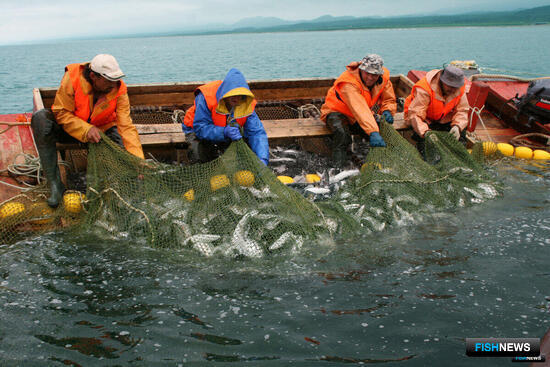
(37, 20)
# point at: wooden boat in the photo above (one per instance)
(16, 140)
(288, 108)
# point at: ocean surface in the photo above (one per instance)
(406, 296)
(517, 51)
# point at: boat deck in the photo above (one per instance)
(493, 129)
(16, 140)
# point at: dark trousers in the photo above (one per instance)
(47, 132)
(202, 151)
(341, 134)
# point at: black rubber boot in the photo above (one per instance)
(44, 132)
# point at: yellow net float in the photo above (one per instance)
(285, 179)
(506, 149)
(244, 178)
(72, 202)
(189, 195)
(312, 178)
(371, 165)
(541, 155)
(11, 209)
(523, 152)
(218, 182)
(489, 148)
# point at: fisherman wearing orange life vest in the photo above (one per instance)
(91, 98)
(438, 102)
(223, 112)
(349, 104)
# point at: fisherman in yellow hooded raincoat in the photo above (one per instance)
(221, 111)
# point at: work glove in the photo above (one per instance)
(455, 131)
(387, 115)
(232, 133)
(376, 140)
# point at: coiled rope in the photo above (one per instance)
(523, 140)
(31, 167)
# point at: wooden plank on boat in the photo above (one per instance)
(170, 134)
(37, 102)
(303, 128)
(399, 121)
(160, 134)
(145, 129)
(401, 85)
(290, 93)
(162, 139)
(295, 128)
(161, 99)
(496, 135)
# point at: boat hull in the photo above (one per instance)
(14, 142)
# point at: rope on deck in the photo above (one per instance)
(523, 140)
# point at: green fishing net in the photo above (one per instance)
(235, 206)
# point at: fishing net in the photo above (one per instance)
(397, 186)
(235, 206)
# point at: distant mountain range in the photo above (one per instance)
(262, 22)
(539, 15)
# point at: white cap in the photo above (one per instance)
(107, 66)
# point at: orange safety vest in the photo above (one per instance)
(209, 90)
(437, 109)
(334, 101)
(82, 100)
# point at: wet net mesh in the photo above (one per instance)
(235, 206)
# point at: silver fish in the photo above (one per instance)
(343, 175)
(281, 240)
(317, 190)
(282, 159)
(240, 240)
(201, 242)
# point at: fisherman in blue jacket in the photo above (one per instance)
(222, 109)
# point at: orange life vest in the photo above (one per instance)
(209, 90)
(82, 100)
(437, 109)
(334, 101)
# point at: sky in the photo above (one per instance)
(24, 21)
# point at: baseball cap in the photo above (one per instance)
(107, 66)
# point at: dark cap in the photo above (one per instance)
(452, 76)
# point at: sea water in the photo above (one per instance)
(498, 50)
(408, 295)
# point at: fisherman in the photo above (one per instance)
(350, 103)
(438, 102)
(223, 112)
(91, 98)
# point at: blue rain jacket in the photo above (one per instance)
(253, 130)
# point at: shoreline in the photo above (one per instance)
(267, 31)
